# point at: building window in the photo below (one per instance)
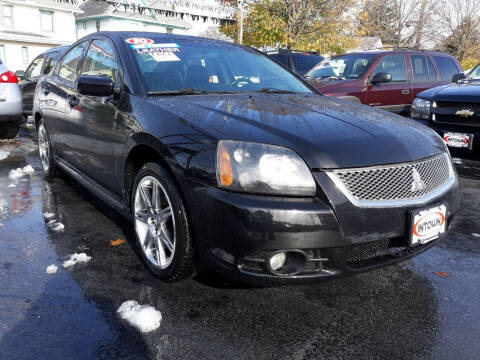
(84, 25)
(46, 20)
(6, 16)
(25, 54)
(97, 24)
(2, 53)
(169, 31)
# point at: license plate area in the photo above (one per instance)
(458, 140)
(427, 224)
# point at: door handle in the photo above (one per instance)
(405, 92)
(73, 101)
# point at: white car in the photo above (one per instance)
(10, 103)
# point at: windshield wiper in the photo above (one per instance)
(186, 91)
(276, 91)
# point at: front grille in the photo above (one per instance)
(458, 106)
(445, 112)
(376, 252)
(389, 184)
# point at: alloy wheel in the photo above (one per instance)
(43, 148)
(154, 222)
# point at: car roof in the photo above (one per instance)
(398, 51)
(56, 49)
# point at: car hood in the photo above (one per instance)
(327, 132)
(326, 84)
(453, 92)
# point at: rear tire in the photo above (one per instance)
(45, 151)
(161, 225)
(8, 130)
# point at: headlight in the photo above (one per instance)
(420, 109)
(262, 169)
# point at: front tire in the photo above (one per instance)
(45, 151)
(9, 130)
(161, 225)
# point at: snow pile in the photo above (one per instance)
(76, 258)
(52, 269)
(3, 154)
(21, 172)
(55, 225)
(145, 318)
(12, 185)
(476, 235)
(48, 215)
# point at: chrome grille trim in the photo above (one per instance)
(391, 185)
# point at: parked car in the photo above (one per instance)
(10, 103)
(389, 80)
(300, 62)
(41, 65)
(223, 158)
(453, 110)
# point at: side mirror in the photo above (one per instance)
(382, 78)
(93, 85)
(20, 74)
(458, 77)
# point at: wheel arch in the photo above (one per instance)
(143, 148)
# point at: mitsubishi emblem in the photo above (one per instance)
(417, 184)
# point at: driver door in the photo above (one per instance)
(29, 82)
(395, 96)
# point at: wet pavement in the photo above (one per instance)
(425, 308)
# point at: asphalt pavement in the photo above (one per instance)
(425, 308)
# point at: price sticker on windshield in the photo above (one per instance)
(139, 41)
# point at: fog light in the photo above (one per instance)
(277, 261)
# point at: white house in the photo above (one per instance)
(29, 27)
(201, 17)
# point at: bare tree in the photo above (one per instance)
(461, 27)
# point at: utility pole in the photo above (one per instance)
(240, 22)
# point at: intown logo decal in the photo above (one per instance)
(429, 224)
(465, 113)
(418, 184)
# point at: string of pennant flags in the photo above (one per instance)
(178, 9)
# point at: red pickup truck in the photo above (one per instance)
(386, 79)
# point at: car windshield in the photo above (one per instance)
(184, 66)
(474, 74)
(351, 66)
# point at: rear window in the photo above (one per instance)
(446, 67)
(304, 62)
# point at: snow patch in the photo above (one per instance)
(12, 185)
(21, 172)
(55, 225)
(145, 318)
(48, 215)
(52, 269)
(3, 154)
(476, 235)
(76, 258)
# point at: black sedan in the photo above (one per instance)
(223, 158)
(453, 110)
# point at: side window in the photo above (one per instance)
(281, 58)
(431, 69)
(395, 66)
(420, 68)
(446, 67)
(69, 67)
(100, 60)
(35, 68)
(50, 62)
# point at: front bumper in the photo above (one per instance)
(442, 128)
(236, 233)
